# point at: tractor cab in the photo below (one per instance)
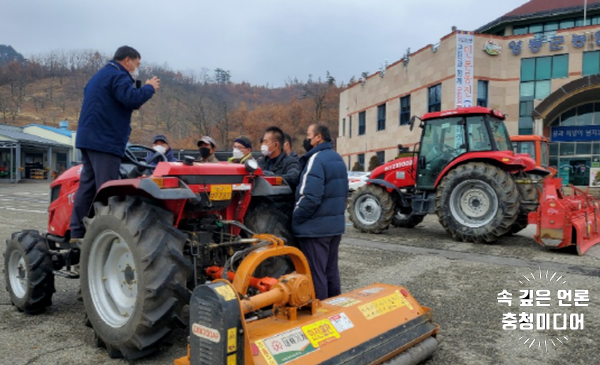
(449, 136)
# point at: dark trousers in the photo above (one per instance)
(98, 168)
(322, 256)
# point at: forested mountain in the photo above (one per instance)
(48, 88)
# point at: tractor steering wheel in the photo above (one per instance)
(146, 164)
(450, 149)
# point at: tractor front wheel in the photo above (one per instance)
(133, 277)
(371, 209)
(477, 202)
(28, 272)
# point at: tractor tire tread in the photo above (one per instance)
(507, 197)
(387, 206)
(159, 247)
(40, 282)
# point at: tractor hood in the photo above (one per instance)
(204, 173)
(404, 163)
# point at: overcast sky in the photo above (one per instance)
(259, 41)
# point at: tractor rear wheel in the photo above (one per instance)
(477, 202)
(28, 272)
(264, 218)
(371, 209)
(133, 276)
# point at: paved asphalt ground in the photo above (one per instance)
(460, 281)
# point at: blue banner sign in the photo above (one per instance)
(575, 134)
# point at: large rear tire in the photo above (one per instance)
(264, 218)
(133, 277)
(28, 272)
(371, 209)
(477, 202)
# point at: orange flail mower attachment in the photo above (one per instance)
(288, 325)
(564, 221)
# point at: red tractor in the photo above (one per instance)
(149, 242)
(465, 171)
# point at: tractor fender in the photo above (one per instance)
(263, 188)
(389, 186)
(143, 187)
(503, 159)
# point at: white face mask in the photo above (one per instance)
(264, 149)
(237, 153)
(160, 149)
(135, 73)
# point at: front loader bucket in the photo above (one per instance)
(366, 326)
(564, 221)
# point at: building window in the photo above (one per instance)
(549, 28)
(482, 93)
(435, 98)
(405, 110)
(537, 73)
(362, 123)
(591, 63)
(381, 157)
(343, 126)
(361, 160)
(525, 117)
(582, 115)
(381, 117)
(350, 127)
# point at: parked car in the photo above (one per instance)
(356, 179)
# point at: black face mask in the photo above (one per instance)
(204, 152)
(306, 144)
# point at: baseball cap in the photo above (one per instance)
(160, 137)
(207, 140)
(244, 141)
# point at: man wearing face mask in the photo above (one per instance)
(318, 220)
(105, 125)
(242, 150)
(160, 144)
(206, 146)
(275, 161)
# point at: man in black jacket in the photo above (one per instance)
(275, 161)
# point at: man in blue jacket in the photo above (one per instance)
(104, 126)
(318, 219)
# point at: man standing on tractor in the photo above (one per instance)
(207, 146)
(275, 161)
(318, 218)
(105, 125)
(242, 150)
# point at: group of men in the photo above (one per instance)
(319, 177)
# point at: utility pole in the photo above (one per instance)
(584, 12)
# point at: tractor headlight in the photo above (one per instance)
(251, 165)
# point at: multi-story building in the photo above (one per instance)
(539, 64)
